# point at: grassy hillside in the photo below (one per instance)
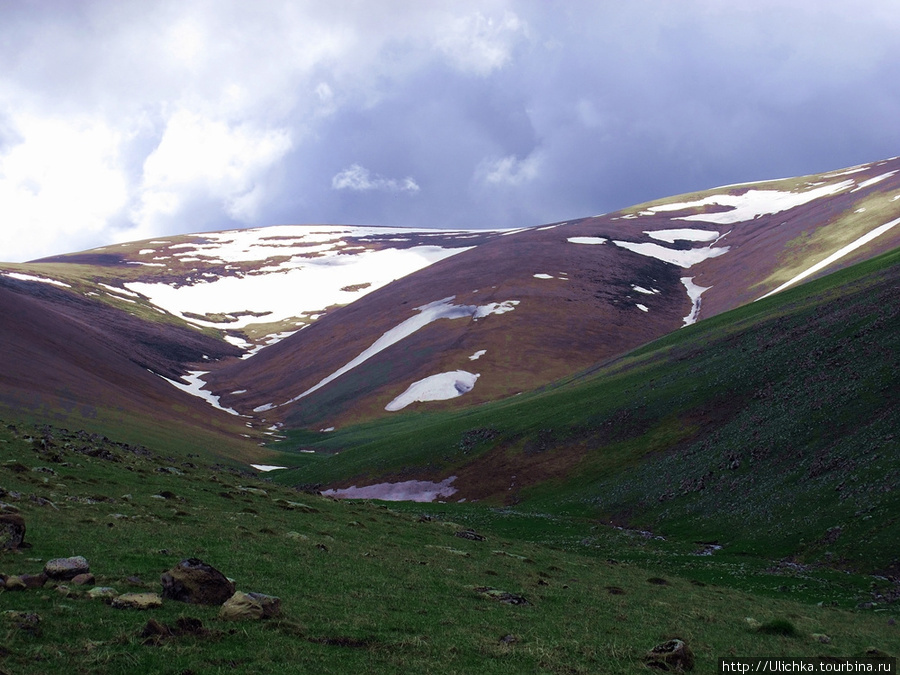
(364, 588)
(770, 430)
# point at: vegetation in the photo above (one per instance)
(364, 588)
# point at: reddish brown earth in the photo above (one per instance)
(63, 356)
(559, 327)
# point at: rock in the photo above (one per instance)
(137, 601)
(251, 606)
(83, 579)
(102, 592)
(12, 531)
(29, 622)
(502, 596)
(33, 580)
(66, 569)
(15, 584)
(821, 637)
(470, 534)
(195, 582)
(673, 655)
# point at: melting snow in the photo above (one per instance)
(587, 240)
(872, 181)
(640, 289)
(671, 236)
(405, 491)
(440, 309)
(643, 308)
(543, 276)
(477, 355)
(837, 255)
(685, 258)
(694, 292)
(438, 387)
(266, 467)
(306, 285)
(195, 388)
(29, 277)
(751, 204)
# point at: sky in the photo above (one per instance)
(123, 120)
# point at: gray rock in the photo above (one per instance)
(250, 606)
(195, 582)
(12, 531)
(66, 568)
(673, 655)
(137, 601)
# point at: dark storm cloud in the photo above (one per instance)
(122, 121)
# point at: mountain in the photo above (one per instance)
(321, 326)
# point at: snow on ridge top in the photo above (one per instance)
(433, 311)
(750, 204)
(303, 287)
(440, 387)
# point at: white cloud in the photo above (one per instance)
(209, 159)
(359, 179)
(509, 170)
(481, 44)
(59, 185)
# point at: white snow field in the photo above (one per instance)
(30, 277)
(438, 387)
(313, 268)
(694, 292)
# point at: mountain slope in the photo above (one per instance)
(522, 310)
(320, 326)
(769, 430)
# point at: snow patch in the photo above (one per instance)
(684, 234)
(872, 181)
(440, 387)
(542, 276)
(29, 277)
(477, 355)
(440, 309)
(267, 467)
(682, 258)
(194, 387)
(837, 255)
(643, 308)
(694, 292)
(751, 204)
(641, 289)
(586, 240)
(405, 491)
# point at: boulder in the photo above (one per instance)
(674, 656)
(12, 531)
(137, 601)
(66, 569)
(251, 606)
(83, 579)
(195, 582)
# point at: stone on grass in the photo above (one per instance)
(66, 569)
(195, 582)
(671, 656)
(12, 531)
(102, 592)
(137, 601)
(83, 579)
(252, 606)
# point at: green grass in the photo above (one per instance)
(365, 588)
(770, 429)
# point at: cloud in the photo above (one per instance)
(509, 170)
(203, 158)
(358, 179)
(481, 44)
